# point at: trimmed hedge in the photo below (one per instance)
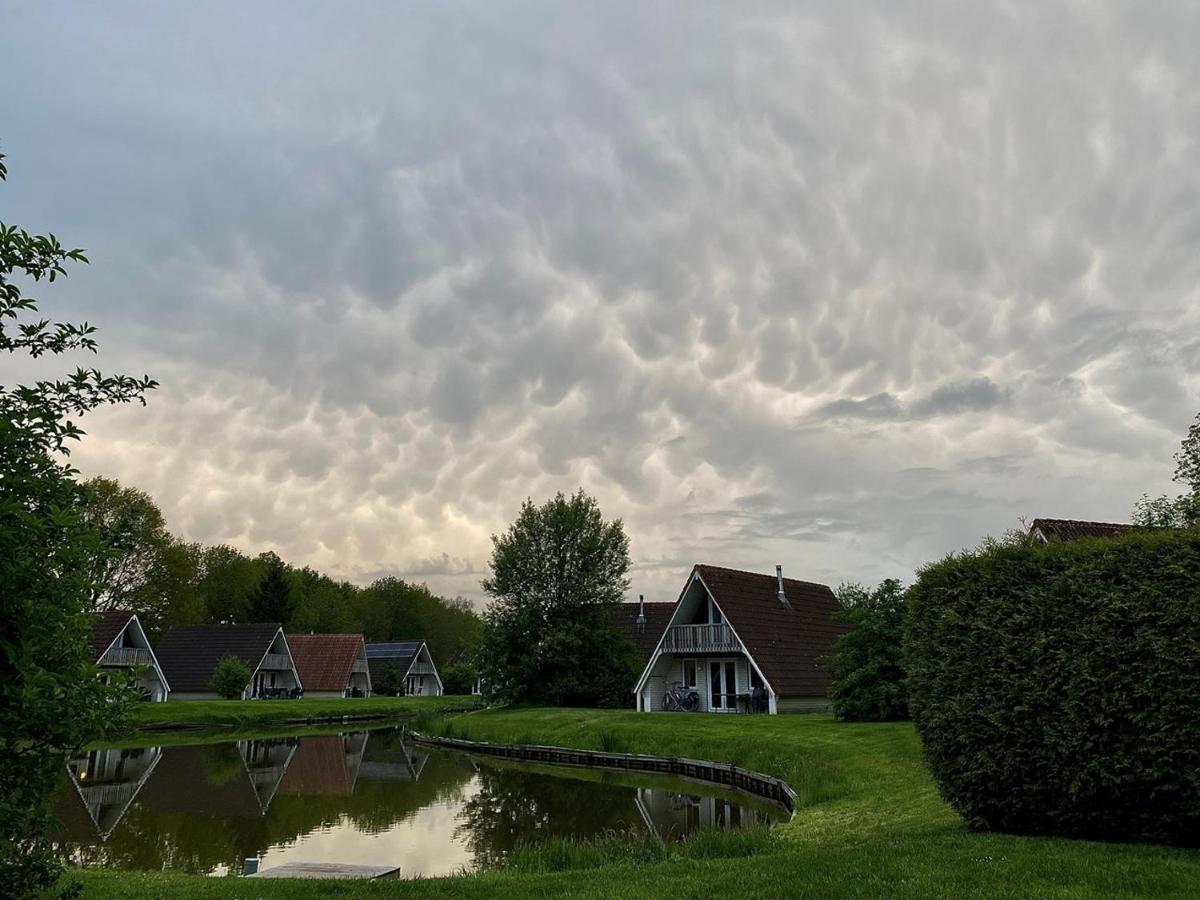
(1056, 687)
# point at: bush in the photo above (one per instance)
(390, 682)
(1055, 686)
(459, 678)
(230, 678)
(869, 680)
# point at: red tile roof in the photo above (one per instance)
(1069, 529)
(325, 661)
(105, 628)
(787, 641)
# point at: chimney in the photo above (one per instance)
(641, 616)
(781, 595)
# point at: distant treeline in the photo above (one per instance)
(171, 582)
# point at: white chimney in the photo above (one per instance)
(779, 577)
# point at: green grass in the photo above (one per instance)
(249, 713)
(870, 824)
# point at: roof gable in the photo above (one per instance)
(325, 661)
(188, 654)
(787, 641)
(1070, 529)
(105, 629)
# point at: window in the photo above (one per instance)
(714, 613)
(689, 673)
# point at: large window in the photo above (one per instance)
(689, 673)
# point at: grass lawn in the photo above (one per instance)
(870, 824)
(247, 713)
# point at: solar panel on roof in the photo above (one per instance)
(392, 648)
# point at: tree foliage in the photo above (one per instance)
(272, 600)
(869, 680)
(390, 682)
(1054, 685)
(1182, 510)
(230, 677)
(52, 700)
(549, 632)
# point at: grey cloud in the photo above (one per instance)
(828, 286)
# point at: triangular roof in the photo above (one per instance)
(318, 768)
(188, 654)
(645, 639)
(1069, 529)
(105, 628)
(400, 653)
(325, 661)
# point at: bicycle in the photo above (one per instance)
(680, 698)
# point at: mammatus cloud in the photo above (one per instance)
(844, 288)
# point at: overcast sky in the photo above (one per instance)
(840, 286)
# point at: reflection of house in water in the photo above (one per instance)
(670, 815)
(392, 761)
(267, 762)
(108, 780)
(325, 765)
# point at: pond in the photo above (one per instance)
(365, 797)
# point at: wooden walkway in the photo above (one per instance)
(326, 870)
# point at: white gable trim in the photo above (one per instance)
(429, 656)
(154, 659)
(695, 576)
(291, 659)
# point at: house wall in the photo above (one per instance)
(669, 669)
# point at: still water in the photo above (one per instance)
(363, 797)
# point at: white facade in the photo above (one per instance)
(422, 678)
(700, 650)
(130, 650)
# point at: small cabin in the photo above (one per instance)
(189, 655)
(331, 665)
(119, 644)
(412, 661)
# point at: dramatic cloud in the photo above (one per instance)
(839, 287)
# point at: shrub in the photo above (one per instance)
(869, 680)
(1055, 686)
(390, 682)
(230, 678)
(458, 678)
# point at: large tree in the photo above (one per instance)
(275, 599)
(52, 700)
(1182, 510)
(549, 632)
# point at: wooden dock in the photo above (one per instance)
(327, 870)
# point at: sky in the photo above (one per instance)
(843, 287)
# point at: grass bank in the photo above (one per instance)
(251, 713)
(869, 824)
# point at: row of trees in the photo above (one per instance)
(173, 582)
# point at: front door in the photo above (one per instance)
(722, 679)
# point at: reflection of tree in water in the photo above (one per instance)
(515, 807)
(221, 763)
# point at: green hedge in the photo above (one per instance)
(1056, 687)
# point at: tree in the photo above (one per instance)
(230, 678)
(52, 700)
(1183, 510)
(869, 680)
(274, 600)
(228, 579)
(549, 632)
(390, 682)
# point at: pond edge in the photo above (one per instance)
(705, 771)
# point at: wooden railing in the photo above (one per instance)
(276, 661)
(126, 656)
(360, 665)
(420, 668)
(700, 639)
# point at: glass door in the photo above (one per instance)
(722, 686)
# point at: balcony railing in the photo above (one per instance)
(360, 665)
(420, 668)
(700, 639)
(276, 661)
(125, 656)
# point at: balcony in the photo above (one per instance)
(125, 656)
(360, 665)
(420, 668)
(276, 661)
(700, 639)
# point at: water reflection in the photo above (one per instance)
(363, 797)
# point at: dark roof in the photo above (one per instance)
(382, 653)
(644, 639)
(1069, 529)
(324, 661)
(787, 641)
(105, 628)
(188, 654)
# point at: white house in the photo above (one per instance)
(189, 655)
(119, 643)
(413, 662)
(743, 642)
